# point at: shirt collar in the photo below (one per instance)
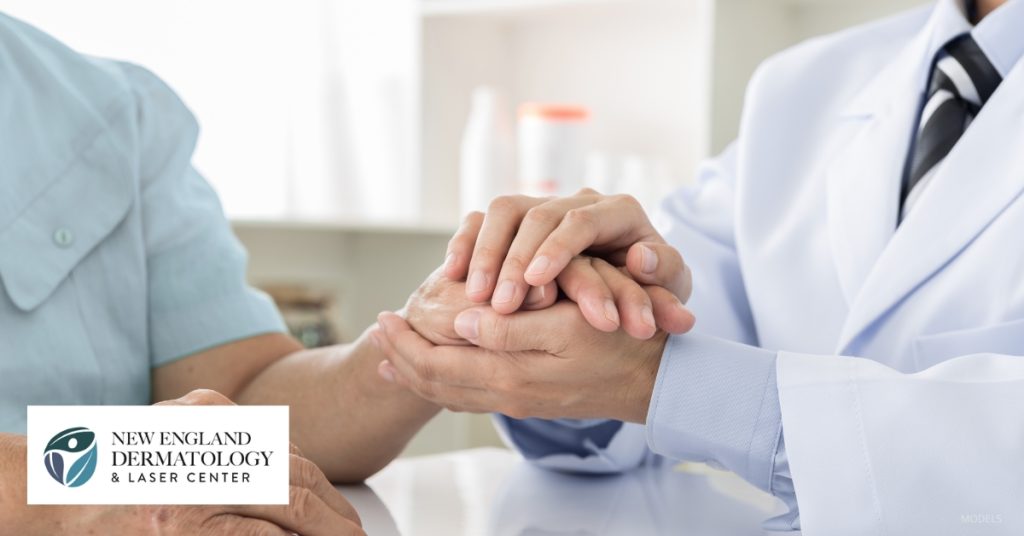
(999, 34)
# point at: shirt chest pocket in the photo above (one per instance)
(67, 263)
(1002, 338)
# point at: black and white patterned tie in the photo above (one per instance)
(962, 80)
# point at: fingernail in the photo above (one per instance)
(449, 261)
(647, 316)
(610, 312)
(385, 372)
(477, 283)
(467, 324)
(648, 260)
(506, 291)
(538, 266)
(535, 295)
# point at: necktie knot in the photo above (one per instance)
(963, 70)
(962, 80)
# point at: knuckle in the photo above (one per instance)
(300, 503)
(580, 216)
(425, 370)
(540, 215)
(306, 470)
(486, 255)
(503, 203)
(473, 218)
(207, 397)
(627, 200)
(496, 331)
(426, 390)
(516, 263)
(586, 191)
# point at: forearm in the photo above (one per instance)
(16, 517)
(344, 416)
(13, 512)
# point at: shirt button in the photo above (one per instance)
(63, 237)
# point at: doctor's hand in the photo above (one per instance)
(549, 364)
(315, 507)
(524, 242)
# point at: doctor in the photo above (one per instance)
(858, 276)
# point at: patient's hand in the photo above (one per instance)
(432, 309)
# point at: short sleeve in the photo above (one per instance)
(198, 295)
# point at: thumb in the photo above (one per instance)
(542, 330)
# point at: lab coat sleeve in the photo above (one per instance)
(198, 295)
(873, 451)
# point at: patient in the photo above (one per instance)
(123, 284)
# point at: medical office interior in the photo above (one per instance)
(345, 137)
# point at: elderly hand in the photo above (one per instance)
(524, 242)
(548, 363)
(432, 308)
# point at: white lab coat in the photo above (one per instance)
(794, 244)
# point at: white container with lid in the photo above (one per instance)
(552, 148)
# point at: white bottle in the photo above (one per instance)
(487, 153)
(552, 148)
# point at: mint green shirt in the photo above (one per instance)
(115, 255)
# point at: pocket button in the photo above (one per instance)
(63, 237)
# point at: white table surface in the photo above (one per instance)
(493, 492)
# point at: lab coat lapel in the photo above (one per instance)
(863, 178)
(981, 176)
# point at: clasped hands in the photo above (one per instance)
(548, 308)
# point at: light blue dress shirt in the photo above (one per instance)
(115, 256)
(714, 400)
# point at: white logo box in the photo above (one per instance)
(159, 455)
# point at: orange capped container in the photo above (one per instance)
(552, 148)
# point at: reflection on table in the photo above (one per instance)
(493, 492)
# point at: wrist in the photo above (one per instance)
(364, 359)
(639, 388)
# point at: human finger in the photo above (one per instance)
(614, 222)
(222, 524)
(422, 364)
(546, 330)
(541, 297)
(658, 263)
(631, 300)
(585, 286)
(460, 247)
(304, 473)
(536, 225)
(199, 397)
(306, 513)
(669, 313)
(503, 217)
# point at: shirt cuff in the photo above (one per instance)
(717, 401)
